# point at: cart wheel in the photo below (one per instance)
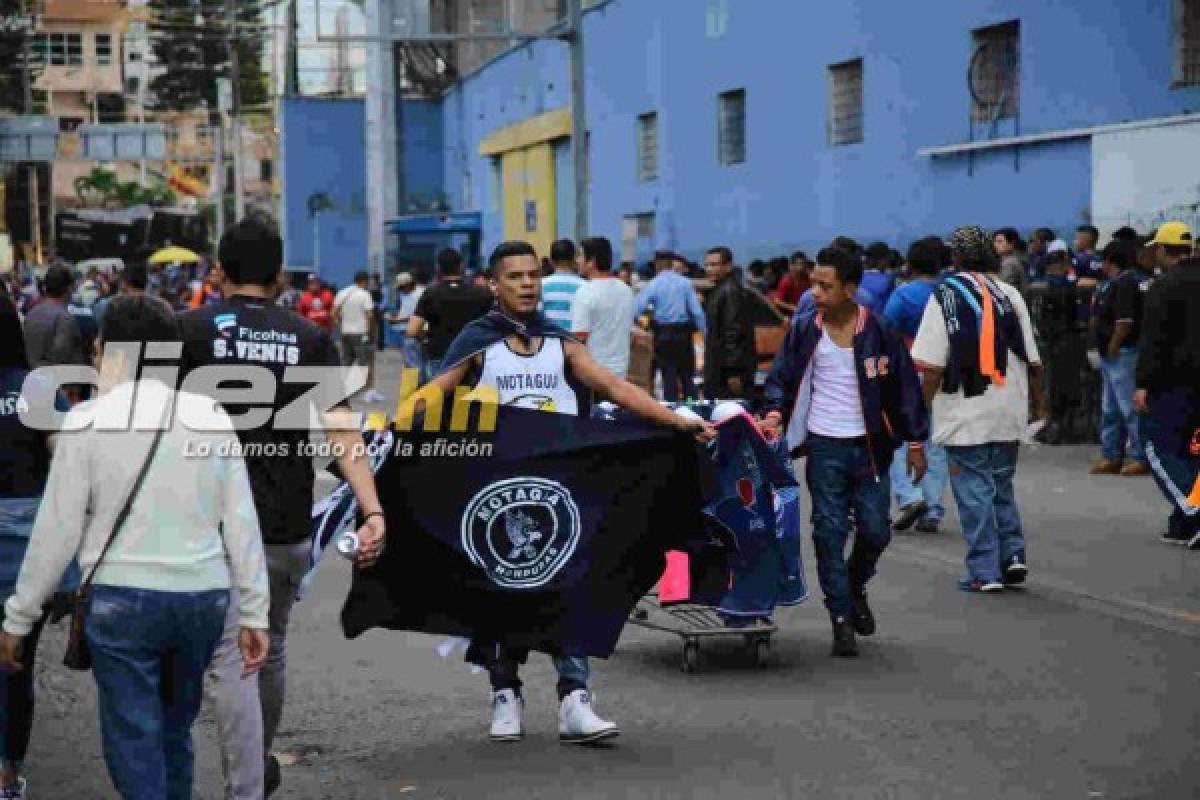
(691, 653)
(762, 653)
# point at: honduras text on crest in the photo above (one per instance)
(521, 531)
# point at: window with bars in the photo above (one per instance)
(1187, 37)
(995, 77)
(58, 49)
(647, 152)
(104, 51)
(731, 127)
(846, 103)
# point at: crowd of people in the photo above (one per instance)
(897, 375)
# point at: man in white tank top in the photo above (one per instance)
(549, 372)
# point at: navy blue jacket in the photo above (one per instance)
(893, 405)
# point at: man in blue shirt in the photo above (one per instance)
(558, 290)
(918, 503)
(676, 315)
(876, 281)
(1089, 265)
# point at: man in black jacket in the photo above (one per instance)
(1168, 377)
(729, 350)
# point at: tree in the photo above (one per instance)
(194, 56)
(14, 27)
(100, 187)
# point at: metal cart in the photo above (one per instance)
(691, 623)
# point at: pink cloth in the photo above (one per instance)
(675, 584)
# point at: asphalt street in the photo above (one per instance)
(1084, 685)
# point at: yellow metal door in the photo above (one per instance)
(529, 196)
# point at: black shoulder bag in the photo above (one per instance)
(79, 655)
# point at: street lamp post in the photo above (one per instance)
(318, 202)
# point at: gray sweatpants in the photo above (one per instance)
(248, 711)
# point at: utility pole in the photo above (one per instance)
(235, 74)
(578, 117)
(35, 208)
(218, 138)
(292, 59)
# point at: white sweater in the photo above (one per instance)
(192, 528)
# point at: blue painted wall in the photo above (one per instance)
(421, 147)
(1083, 63)
(323, 150)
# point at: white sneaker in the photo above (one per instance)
(506, 717)
(374, 396)
(578, 723)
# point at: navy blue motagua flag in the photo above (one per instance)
(546, 543)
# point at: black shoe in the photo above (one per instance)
(909, 515)
(928, 526)
(844, 645)
(1015, 571)
(272, 776)
(1175, 537)
(863, 619)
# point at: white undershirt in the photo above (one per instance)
(836, 409)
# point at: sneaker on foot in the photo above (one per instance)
(977, 585)
(1176, 537)
(15, 793)
(863, 619)
(844, 645)
(1135, 469)
(578, 723)
(929, 525)
(1015, 571)
(909, 515)
(506, 717)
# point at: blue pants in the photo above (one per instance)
(842, 480)
(504, 671)
(150, 650)
(982, 479)
(1175, 473)
(430, 369)
(932, 486)
(1120, 430)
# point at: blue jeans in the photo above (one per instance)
(504, 671)
(413, 358)
(1120, 430)
(841, 479)
(150, 650)
(430, 369)
(982, 479)
(932, 487)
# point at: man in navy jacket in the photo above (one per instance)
(845, 391)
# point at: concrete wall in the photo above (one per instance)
(1083, 63)
(322, 150)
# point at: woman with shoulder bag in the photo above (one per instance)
(164, 526)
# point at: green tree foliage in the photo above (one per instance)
(100, 188)
(195, 55)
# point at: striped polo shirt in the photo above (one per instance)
(558, 297)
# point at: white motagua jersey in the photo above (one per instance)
(537, 381)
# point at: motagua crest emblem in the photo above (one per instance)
(522, 531)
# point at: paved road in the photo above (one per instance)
(1083, 686)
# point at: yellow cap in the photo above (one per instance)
(1175, 234)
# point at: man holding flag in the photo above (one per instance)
(532, 364)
